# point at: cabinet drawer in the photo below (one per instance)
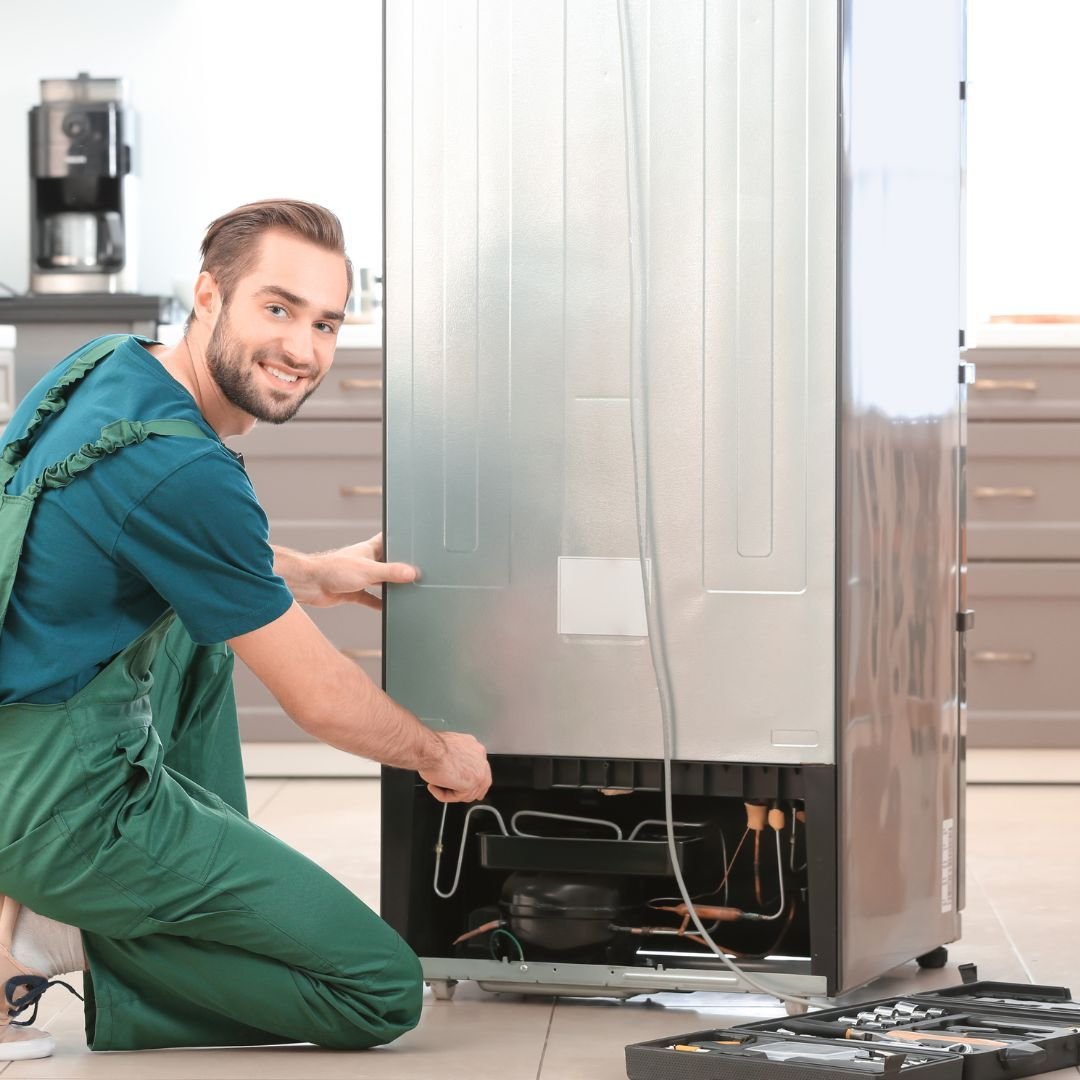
(1022, 655)
(317, 472)
(355, 630)
(352, 389)
(1023, 491)
(1025, 384)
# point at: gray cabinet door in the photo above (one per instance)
(1023, 491)
(355, 630)
(1025, 384)
(352, 390)
(320, 483)
(316, 473)
(1024, 654)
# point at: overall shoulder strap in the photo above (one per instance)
(54, 401)
(114, 436)
(15, 511)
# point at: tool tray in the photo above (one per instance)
(977, 1031)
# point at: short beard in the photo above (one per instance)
(235, 376)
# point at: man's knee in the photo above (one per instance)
(386, 1006)
(405, 979)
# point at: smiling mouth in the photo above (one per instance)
(286, 378)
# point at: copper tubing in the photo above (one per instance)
(704, 911)
(757, 817)
(485, 929)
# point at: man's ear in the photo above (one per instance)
(207, 297)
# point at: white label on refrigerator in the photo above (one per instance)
(947, 829)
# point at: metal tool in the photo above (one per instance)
(873, 1061)
(1010, 1032)
(1008, 1049)
(1040, 1006)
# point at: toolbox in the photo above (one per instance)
(975, 1031)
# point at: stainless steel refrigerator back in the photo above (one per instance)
(776, 187)
(510, 480)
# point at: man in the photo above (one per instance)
(132, 548)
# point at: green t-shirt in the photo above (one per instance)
(172, 522)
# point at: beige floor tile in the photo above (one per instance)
(1001, 817)
(502, 1039)
(1019, 925)
(588, 1038)
(313, 759)
(328, 820)
(260, 792)
(308, 804)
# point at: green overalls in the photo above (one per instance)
(122, 812)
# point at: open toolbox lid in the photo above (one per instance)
(975, 1031)
(1010, 997)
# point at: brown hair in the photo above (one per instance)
(231, 244)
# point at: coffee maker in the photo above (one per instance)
(82, 188)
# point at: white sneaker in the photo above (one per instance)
(23, 1043)
(18, 1043)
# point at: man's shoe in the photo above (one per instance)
(20, 989)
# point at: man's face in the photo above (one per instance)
(274, 338)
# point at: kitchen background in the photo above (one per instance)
(237, 101)
(240, 100)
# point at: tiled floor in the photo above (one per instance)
(1020, 924)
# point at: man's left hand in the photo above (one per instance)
(343, 576)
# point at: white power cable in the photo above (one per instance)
(639, 425)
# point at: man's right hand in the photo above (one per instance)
(461, 773)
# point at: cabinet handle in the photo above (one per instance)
(1024, 386)
(362, 654)
(991, 657)
(361, 384)
(360, 489)
(1004, 493)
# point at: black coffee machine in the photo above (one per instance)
(82, 188)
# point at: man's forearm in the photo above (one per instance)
(354, 715)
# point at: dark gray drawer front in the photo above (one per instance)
(1025, 384)
(1023, 656)
(1023, 484)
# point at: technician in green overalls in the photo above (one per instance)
(134, 560)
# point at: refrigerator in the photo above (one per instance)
(675, 405)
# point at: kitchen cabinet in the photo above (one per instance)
(1023, 483)
(319, 479)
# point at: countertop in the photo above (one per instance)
(1025, 336)
(351, 336)
(369, 336)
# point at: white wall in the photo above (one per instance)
(1024, 157)
(237, 100)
